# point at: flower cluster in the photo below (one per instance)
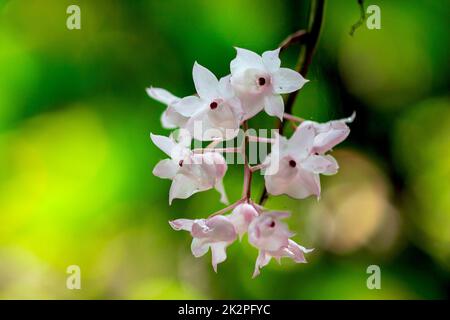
(215, 113)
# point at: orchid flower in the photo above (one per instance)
(216, 233)
(170, 119)
(190, 173)
(299, 165)
(271, 237)
(330, 133)
(258, 81)
(241, 217)
(215, 112)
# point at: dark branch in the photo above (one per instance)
(296, 37)
(316, 13)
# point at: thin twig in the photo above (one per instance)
(362, 17)
(257, 167)
(227, 209)
(293, 118)
(295, 37)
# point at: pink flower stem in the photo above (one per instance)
(296, 37)
(227, 209)
(292, 118)
(257, 167)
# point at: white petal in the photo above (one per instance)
(205, 82)
(221, 189)
(199, 247)
(286, 81)
(225, 89)
(296, 252)
(182, 224)
(251, 106)
(274, 106)
(215, 229)
(182, 187)
(166, 122)
(183, 138)
(320, 164)
(214, 165)
(304, 185)
(166, 169)
(330, 134)
(333, 167)
(164, 143)
(245, 59)
(278, 182)
(262, 260)
(220, 123)
(170, 119)
(188, 106)
(224, 117)
(241, 217)
(218, 253)
(301, 142)
(197, 126)
(203, 175)
(162, 95)
(271, 60)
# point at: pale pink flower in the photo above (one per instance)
(299, 165)
(242, 216)
(216, 233)
(258, 81)
(190, 172)
(271, 237)
(215, 112)
(267, 232)
(170, 118)
(330, 133)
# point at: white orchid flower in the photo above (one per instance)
(170, 119)
(215, 113)
(216, 233)
(259, 82)
(271, 237)
(190, 172)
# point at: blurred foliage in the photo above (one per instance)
(75, 179)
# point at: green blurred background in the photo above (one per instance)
(76, 159)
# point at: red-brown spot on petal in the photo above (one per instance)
(292, 163)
